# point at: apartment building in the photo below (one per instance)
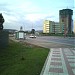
(46, 26)
(57, 27)
(51, 27)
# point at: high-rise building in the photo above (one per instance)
(51, 27)
(65, 20)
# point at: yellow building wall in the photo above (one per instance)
(46, 26)
(51, 27)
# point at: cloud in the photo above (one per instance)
(3, 7)
(28, 7)
(19, 10)
(34, 17)
(27, 12)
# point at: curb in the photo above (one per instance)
(45, 64)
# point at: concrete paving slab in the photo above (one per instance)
(61, 61)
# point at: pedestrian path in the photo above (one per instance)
(60, 61)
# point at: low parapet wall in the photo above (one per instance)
(4, 39)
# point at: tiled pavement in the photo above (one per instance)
(60, 61)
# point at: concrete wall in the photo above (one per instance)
(4, 39)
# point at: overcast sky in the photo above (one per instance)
(31, 13)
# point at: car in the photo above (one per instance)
(32, 36)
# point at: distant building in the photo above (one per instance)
(51, 27)
(65, 20)
(57, 27)
(47, 27)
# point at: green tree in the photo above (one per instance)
(33, 31)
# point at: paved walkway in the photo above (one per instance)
(60, 61)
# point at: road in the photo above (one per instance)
(62, 53)
(52, 41)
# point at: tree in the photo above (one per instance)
(33, 31)
(1, 21)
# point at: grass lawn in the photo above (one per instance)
(22, 59)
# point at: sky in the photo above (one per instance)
(31, 13)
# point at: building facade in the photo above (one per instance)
(65, 20)
(51, 27)
(47, 27)
(57, 27)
